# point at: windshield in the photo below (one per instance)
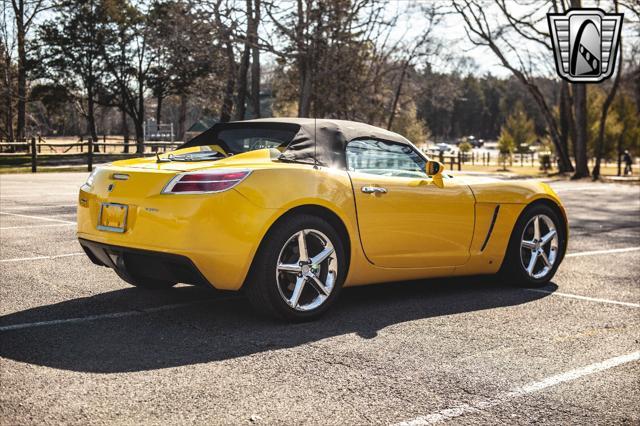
(236, 138)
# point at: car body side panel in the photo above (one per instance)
(416, 223)
(489, 259)
(221, 232)
(488, 190)
(328, 188)
(512, 198)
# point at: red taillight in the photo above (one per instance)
(205, 181)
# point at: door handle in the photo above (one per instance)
(373, 190)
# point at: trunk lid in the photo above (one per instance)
(257, 157)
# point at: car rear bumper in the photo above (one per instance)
(218, 233)
(130, 263)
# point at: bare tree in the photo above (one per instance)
(255, 60)
(128, 59)
(600, 148)
(225, 32)
(72, 52)
(424, 46)
(241, 101)
(7, 46)
(25, 13)
(481, 33)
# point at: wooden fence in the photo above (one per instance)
(481, 158)
(62, 151)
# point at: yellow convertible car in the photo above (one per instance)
(291, 210)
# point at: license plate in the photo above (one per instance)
(113, 217)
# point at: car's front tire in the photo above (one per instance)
(298, 270)
(536, 247)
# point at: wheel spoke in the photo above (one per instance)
(319, 286)
(528, 244)
(322, 256)
(532, 262)
(548, 237)
(536, 228)
(302, 247)
(545, 259)
(294, 268)
(297, 291)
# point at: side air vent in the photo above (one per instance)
(493, 222)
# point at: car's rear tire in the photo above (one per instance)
(536, 247)
(289, 284)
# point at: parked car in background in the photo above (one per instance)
(444, 148)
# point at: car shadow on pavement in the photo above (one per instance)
(226, 328)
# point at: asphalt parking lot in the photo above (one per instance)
(78, 345)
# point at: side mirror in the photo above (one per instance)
(434, 168)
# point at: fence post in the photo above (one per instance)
(34, 155)
(459, 161)
(90, 154)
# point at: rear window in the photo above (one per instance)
(236, 138)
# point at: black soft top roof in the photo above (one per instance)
(331, 137)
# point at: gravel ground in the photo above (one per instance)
(471, 350)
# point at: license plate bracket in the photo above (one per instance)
(113, 217)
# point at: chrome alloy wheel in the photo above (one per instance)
(539, 246)
(307, 270)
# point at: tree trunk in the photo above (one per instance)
(565, 115)
(619, 150)
(91, 118)
(600, 143)
(580, 143)
(140, 118)
(241, 104)
(306, 79)
(182, 116)
(304, 65)
(255, 63)
(8, 79)
(227, 102)
(160, 97)
(241, 100)
(125, 129)
(22, 72)
(139, 126)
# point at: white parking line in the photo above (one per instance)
(590, 299)
(595, 252)
(480, 405)
(112, 315)
(36, 226)
(21, 259)
(37, 217)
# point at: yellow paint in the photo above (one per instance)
(420, 228)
